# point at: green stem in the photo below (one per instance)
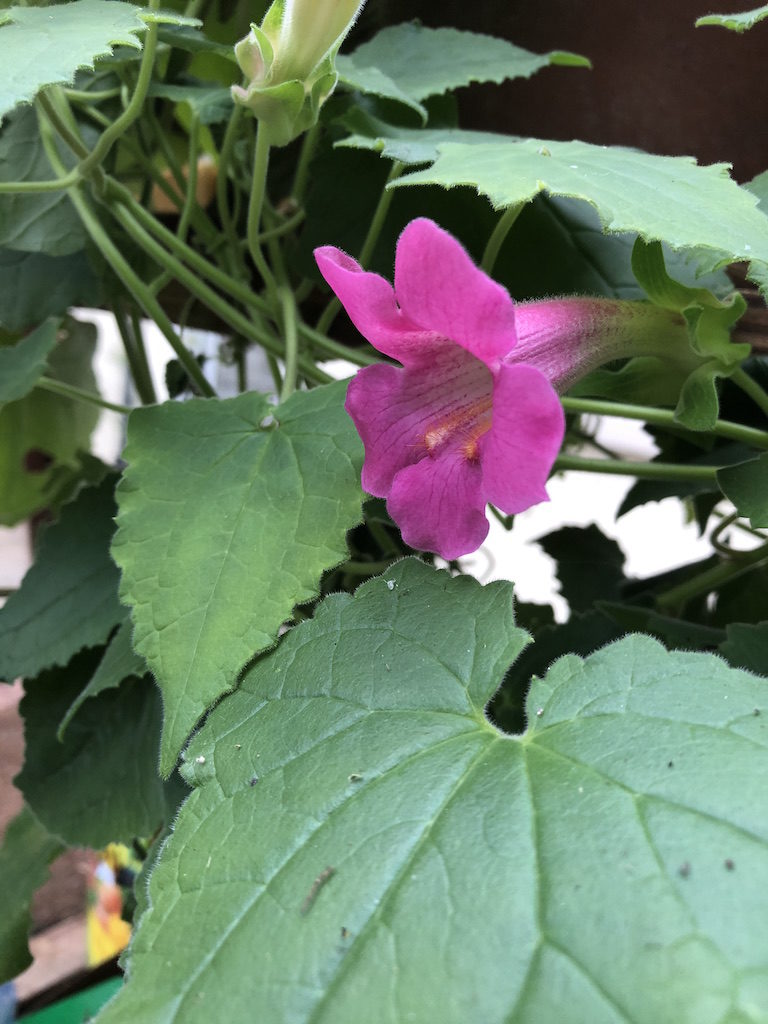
(120, 265)
(335, 350)
(291, 343)
(499, 233)
(58, 113)
(58, 387)
(711, 579)
(645, 470)
(663, 418)
(222, 178)
(136, 356)
(135, 106)
(239, 323)
(185, 252)
(255, 206)
(750, 387)
(190, 196)
(284, 228)
(301, 177)
(374, 230)
(54, 185)
(139, 290)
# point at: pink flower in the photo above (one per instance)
(458, 425)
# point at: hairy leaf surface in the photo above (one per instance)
(230, 511)
(363, 845)
(411, 62)
(68, 598)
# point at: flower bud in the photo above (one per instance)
(289, 62)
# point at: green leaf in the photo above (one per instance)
(410, 62)
(26, 852)
(68, 598)
(41, 46)
(665, 198)
(364, 845)
(40, 222)
(735, 22)
(23, 363)
(746, 485)
(589, 564)
(119, 662)
(99, 784)
(227, 521)
(43, 435)
(747, 647)
(211, 103)
(34, 286)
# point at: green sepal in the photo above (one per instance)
(278, 107)
(709, 320)
(257, 40)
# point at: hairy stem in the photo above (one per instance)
(644, 470)
(663, 418)
(499, 233)
(58, 387)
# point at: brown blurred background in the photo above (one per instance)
(657, 82)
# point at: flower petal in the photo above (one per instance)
(438, 505)
(395, 410)
(439, 287)
(370, 303)
(526, 432)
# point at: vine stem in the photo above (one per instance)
(291, 343)
(712, 579)
(256, 205)
(663, 418)
(645, 470)
(58, 387)
(499, 233)
(135, 106)
(369, 244)
(231, 316)
(122, 268)
(750, 387)
(136, 356)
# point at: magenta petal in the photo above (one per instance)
(438, 286)
(370, 303)
(526, 432)
(393, 409)
(438, 505)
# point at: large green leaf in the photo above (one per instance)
(589, 564)
(39, 222)
(410, 62)
(746, 485)
(747, 646)
(663, 198)
(34, 286)
(100, 782)
(118, 662)
(227, 520)
(26, 852)
(42, 434)
(364, 845)
(23, 363)
(735, 22)
(68, 599)
(40, 46)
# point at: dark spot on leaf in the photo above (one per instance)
(756, 711)
(37, 461)
(345, 933)
(254, 780)
(684, 870)
(670, 764)
(729, 865)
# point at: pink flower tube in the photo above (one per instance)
(472, 415)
